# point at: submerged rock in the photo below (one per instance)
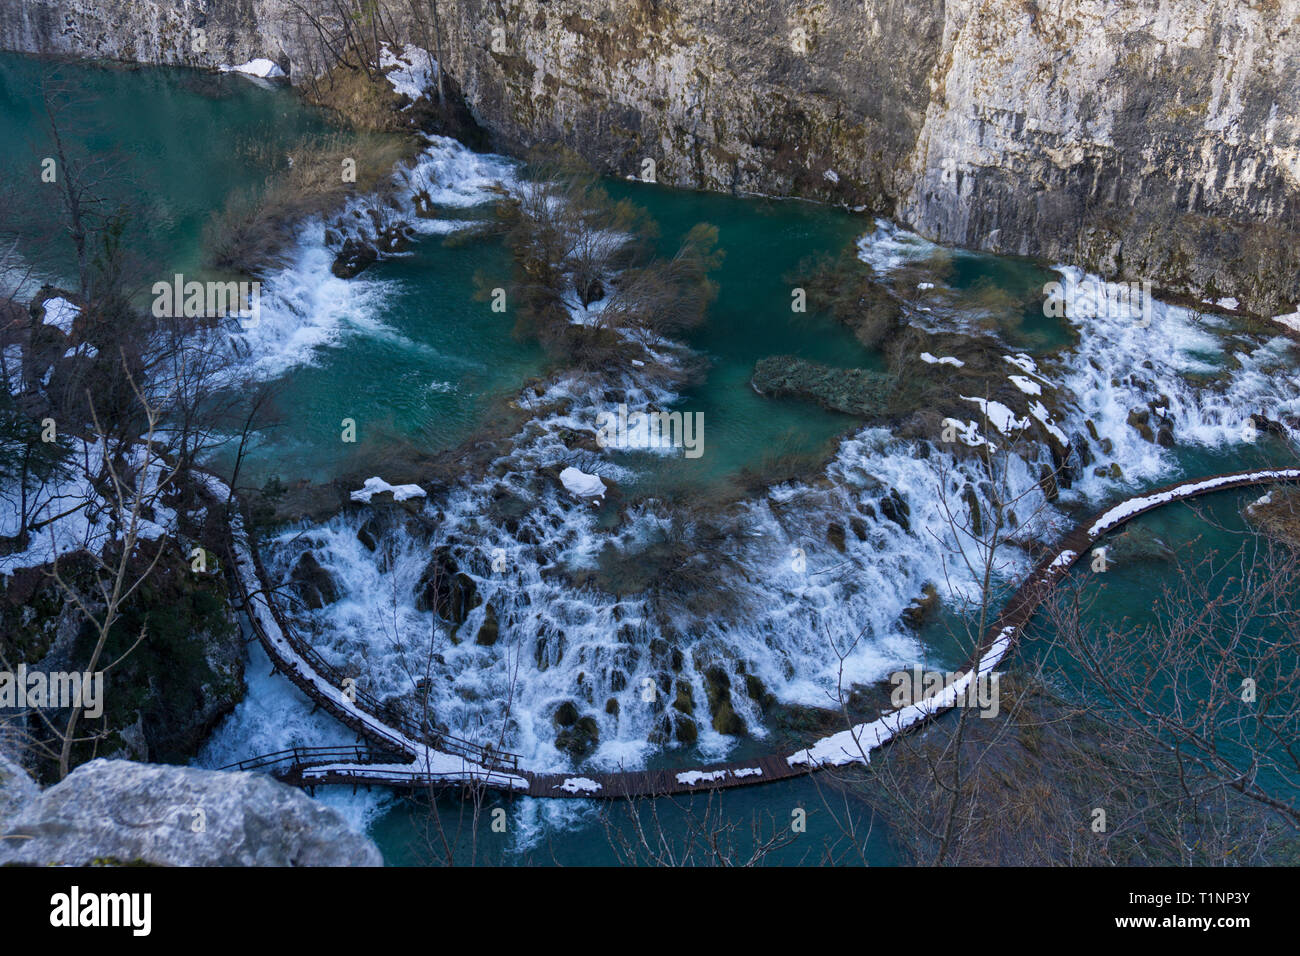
(178, 816)
(313, 583)
(489, 631)
(853, 391)
(922, 608)
(353, 259)
(445, 589)
(1137, 543)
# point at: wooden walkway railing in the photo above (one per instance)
(302, 756)
(320, 766)
(388, 730)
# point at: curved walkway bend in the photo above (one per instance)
(401, 756)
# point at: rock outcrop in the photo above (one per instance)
(127, 812)
(1151, 139)
(17, 788)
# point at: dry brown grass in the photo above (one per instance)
(363, 102)
(254, 226)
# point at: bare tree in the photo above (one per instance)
(696, 831)
(1133, 746)
(1212, 680)
(81, 180)
(138, 477)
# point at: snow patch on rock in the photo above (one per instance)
(377, 485)
(260, 67)
(580, 483)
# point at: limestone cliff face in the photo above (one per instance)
(1145, 138)
(820, 99)
(1153, 138)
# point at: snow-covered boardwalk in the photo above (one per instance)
(400, 755)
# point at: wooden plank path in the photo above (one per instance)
(402, 756)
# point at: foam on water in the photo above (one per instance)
(305, 307)
(565, 642)
(1120, 365)
(789, 594)
(275, 715)
(890, 247)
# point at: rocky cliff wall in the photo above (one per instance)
(1142, 138)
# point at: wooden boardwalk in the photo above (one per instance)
(397, 754)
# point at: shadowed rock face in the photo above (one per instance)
(1140, 138)
(17, 788)
(172, 816)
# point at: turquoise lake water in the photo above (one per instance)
(432, 360)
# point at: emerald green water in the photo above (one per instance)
(170, 144)
(442, 355)
(764, 242)
(1209, 543)
(422, 373)
(434, 359)
(430, 359)
(591, 835)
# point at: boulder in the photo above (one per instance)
(686, 730)
(566, 715)
(178, 816)
(17, 788)
(354, 258)
(758, 691)
(313, 583)
(972, 499)
(727, 721)
(445, 589)
(835, 535)
(368, 535)
(1140, 419)
(684, 701)
(893, 507)
(393, 239)
(1047, 482)
(923, 608)
(717, 685)
(489, 630)
(580, 739)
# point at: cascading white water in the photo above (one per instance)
(788, 592)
